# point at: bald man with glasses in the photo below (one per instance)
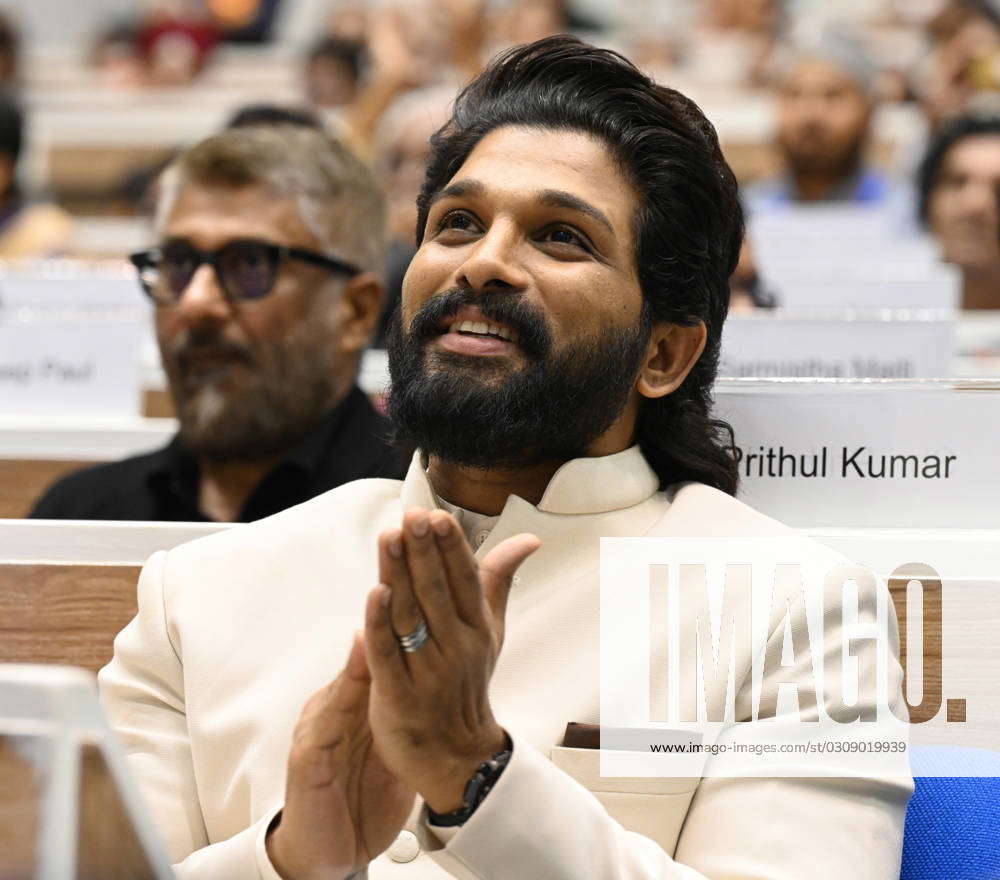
(266, 284)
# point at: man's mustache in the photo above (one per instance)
(534, 337)
(189, 350)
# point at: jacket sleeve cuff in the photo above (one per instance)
(557, 836)
(265, 869)
(241, 857)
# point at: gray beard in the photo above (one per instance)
(262, 422)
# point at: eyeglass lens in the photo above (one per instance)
(247, 270)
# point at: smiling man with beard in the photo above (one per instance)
(552, 359)
(266, 285)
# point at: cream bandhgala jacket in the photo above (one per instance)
(236, 631)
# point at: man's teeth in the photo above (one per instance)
(483, 329)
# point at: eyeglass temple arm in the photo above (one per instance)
(327, 262)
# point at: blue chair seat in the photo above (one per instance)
(953, 819)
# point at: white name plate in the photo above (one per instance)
(58, 367)
(70, 284)
(833, 232)
(838, 345)
(935, 290)
(885, 454)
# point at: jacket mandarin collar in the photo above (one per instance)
(581, 486)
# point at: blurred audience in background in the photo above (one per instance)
(333, 72)
(402, 147)
(825, 103)
(168, 43)
(274, 114)
(245, 21)
(963, 60)
(10, 53)
(829, 80)
(175, 41)
(28, 228)
(115, 58)
(816, 104)
(958, 181)
(267, 286)
(524, 21)
(747, 290)
(735, 41)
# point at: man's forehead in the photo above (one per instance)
(239, 199)
(813, 73)
(251, 211)
(978, 155)
(551, 167)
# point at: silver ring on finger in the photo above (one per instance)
(415, 640)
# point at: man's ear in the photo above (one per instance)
(673, 351)
(360, 306)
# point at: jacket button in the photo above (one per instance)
(405, 848)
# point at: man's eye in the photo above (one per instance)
(177, 259)
(457, 220)
(563, 235)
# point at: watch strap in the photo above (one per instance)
(476, 789)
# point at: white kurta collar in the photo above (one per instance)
(583, 485)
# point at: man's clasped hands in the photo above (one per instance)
(397, 722)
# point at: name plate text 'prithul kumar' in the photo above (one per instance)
(889, 454)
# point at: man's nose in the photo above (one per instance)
(495, 262)
(203, 301)
(813, 116)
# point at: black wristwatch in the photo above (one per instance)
(476, 789)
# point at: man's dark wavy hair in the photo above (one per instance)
(689, 225)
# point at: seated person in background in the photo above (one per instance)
(267, 287)
(27, 229)
(10, 53)
(960, 66)
(175, 42)
(402, 146)
(332, 72)
(747, 292)
(825, 105)
(274, 114)
(553, 361)
(957, 184)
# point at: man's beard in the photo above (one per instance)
(817, 158)
(475, 411)
(282, 393)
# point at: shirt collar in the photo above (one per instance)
(581, 486)
(314, 448)
(175, 469)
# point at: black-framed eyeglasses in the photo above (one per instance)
(246, 268)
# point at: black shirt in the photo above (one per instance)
(348, 444)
